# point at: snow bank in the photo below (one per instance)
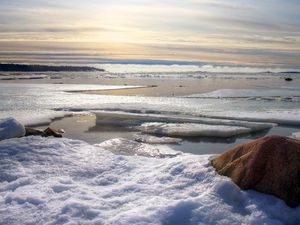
(36, 118)
(296, 135)
(11, 128)
(192, 130)
(51, 181)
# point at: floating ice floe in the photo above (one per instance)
(11, 128)
(192, 130)
(131, 119)
(51, 181)
(124, 146)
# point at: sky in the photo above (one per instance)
(222, 32)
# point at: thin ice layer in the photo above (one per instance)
(192, 130)
(122, 146)
(51, 181)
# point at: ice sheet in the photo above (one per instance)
(192, 130)
(284, 117)
(60, 181)
(28, 102)
(243, 93)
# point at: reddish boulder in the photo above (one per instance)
(270, 165)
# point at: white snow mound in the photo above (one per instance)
(61, 181)
(296, 135)
(11, 128)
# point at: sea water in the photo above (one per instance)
(210, 115)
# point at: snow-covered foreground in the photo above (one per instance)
(62, 181)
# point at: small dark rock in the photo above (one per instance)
(33, 132)
(51, 133)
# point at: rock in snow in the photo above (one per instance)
(270, 165)
(11, 128)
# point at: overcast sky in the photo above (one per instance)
(261, 33)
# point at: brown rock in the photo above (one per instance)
(32, 131)
(270, 165)
(50, 132)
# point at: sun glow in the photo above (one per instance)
(206, 31)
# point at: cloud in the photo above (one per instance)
(173, 29)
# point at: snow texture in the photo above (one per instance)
(11, 128)
(61, 181)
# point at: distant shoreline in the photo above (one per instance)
(6, 67)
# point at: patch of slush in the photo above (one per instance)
(244, 93)
(11, 128)
(122, 146)
(61, 181)
(156, 140)
(192, 130)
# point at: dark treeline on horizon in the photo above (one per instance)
(7, 67)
